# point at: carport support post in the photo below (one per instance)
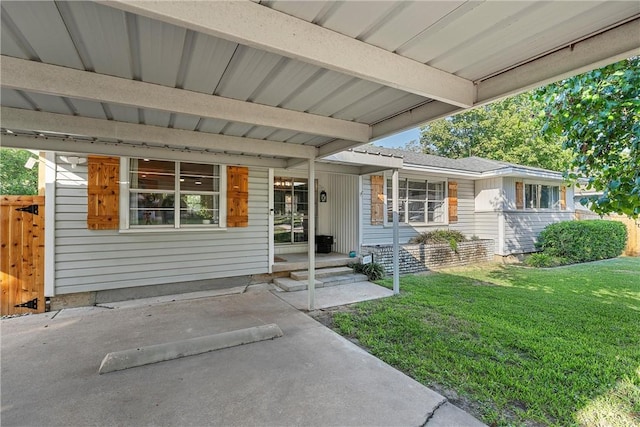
(311, 234)
(396, 234)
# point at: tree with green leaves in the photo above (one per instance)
(598, 115)
(15, 179)
(506, 130)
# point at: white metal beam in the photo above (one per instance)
(261, 27)
(32, 76)
(334, 168)
(334, 147)
(367, 159)
(606, 48)
(368, 170)
(118, 149)
(410, 119)
(18, 119)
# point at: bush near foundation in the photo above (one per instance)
(583, 241)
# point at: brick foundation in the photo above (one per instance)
(416, 257)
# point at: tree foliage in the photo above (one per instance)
(507, 130)
(598, 114)
(15, 179)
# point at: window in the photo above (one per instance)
(419, 202)
(155, 185)
(538, 196)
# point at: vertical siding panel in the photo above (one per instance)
(343, 191)
(489, 195)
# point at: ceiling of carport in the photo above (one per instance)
(237, 77)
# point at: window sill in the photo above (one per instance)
(171, 230)
(420, 224)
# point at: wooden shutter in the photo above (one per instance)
(237, 196)
(563, 197)
(377, 200)
(103, 191)
(453, 201)
(519, 195)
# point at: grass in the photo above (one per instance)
(515, 345)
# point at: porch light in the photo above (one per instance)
(73, 160)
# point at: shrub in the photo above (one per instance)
(582, 241)
(373, 270)
(542, 259)
(439, 236)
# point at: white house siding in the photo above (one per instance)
(379, 234)
(91, 260)
(487, 226)
(523, 228)
(342, 198)
(489, 195)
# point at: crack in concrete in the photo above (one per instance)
(432, 413)
(110, 307)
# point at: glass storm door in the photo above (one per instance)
(291, 210)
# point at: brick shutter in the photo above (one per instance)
(563, 197)
(237, 196)
(103, 190)
(519, 195)
(377, 200)
(453, 201)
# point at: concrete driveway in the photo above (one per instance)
(310, 376)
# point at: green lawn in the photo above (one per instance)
(515, 345)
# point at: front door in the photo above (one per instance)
(22, 260)
(291, 210)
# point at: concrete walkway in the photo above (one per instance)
(336, 295)
(309, 376)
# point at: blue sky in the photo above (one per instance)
(400, 139)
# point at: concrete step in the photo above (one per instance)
(343, 279)
(291, 285)
(321, 262)
(320, 273)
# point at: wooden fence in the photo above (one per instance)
(633, 229)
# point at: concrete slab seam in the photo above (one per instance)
(135, 357)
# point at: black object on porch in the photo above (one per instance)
(323, 244)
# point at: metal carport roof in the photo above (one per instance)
(276, 82)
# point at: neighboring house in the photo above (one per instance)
(130, 222)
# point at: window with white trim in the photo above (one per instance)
(419, 201)
(540, 196)
(155, 185)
